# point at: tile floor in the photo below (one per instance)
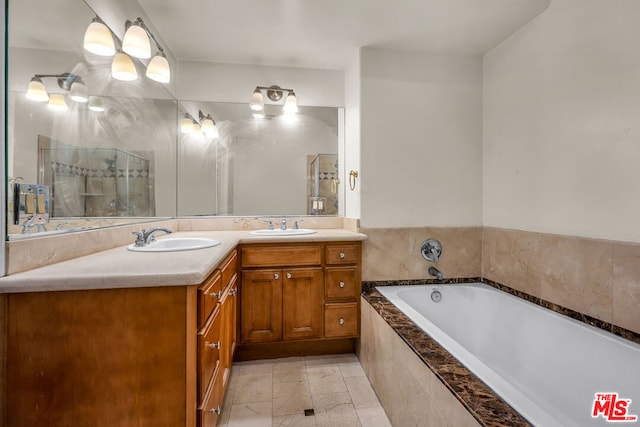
(277, 392)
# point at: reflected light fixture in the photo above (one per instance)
(57, 102)
(209, 127)
(136, 40)
(98, 38)
(96, 103)
(257, 100)
(275, 95)
(36, 91)
(187, 125)
(123, 68)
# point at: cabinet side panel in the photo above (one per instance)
(102, 358)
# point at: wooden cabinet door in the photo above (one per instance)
(261, 306)
(303, 291)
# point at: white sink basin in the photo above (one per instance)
(173, 244)
(287, 232)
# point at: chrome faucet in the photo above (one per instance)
(28, 225)
(283, 224)
(436, 273)
(145, 237)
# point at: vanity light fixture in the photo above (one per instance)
(37, 91)
(158, 68)
(208, 125)
(187, 125)
(57, 102)
(123, 68)
(275, 95)
(136, 41)
(98, 38)
(96, 103)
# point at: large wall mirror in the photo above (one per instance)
(123, 157)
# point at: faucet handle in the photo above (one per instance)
(296, 222)
(139, 238)
(269, 224)
(283, 224)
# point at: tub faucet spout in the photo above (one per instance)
(436, 273)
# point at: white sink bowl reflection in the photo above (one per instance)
(173, 244)
(287, 232)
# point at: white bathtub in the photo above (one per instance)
(547, 366)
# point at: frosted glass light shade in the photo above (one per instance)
(257, 101)
(57, 102)
(96, 104)
(291, 104)
(136, 42)
(209, 128)
(78, 92)
(98, 39)
(123, 68)
(36, 91)
(187, 126)
(158, 69)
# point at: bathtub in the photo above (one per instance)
(548, 367)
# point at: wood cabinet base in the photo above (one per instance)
(273, 350)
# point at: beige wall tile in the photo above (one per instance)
(575, 273)
(626, 286)
(506, 255)
(394, 253)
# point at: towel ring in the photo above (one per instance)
(353, 176)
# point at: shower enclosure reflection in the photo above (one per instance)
(96, 182)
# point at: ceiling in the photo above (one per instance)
(326, 33)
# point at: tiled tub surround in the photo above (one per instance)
(599, 278)
(486, 406)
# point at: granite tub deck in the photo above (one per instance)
(486, 407)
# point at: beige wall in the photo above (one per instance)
(561, 123)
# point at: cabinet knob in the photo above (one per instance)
(276, 276)
(215, 345)
(215, 410)
(233, 291)
(289, 276)
(216, 294)
(342, 255)
(342, 284)
(341, 321)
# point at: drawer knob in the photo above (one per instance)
(276, 276)
(342, 284)
(289, 276)
(342, 255)
(341, 321)
(215, 410)
(215, 345)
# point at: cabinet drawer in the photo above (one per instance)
(209, 294)
(341, 283)
(341, 320)
(209, 342)
(209, 410)
(281, 256)
(342, 254)
(228, 268)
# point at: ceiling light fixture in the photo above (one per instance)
(187, 125)
(136, 40)
(36, 91)
(96, 103)
(123, 68)
(275, 95)
(98, 38)
(158, 68)
(57, 102)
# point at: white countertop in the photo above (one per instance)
(121, 268)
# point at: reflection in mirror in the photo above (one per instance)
(282, 164)
(108, 150)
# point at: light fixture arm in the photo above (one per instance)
(65, 80)
(202, 117)
(274, 93)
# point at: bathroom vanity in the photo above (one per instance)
(148, 339)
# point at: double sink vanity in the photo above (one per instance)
(148, 337)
